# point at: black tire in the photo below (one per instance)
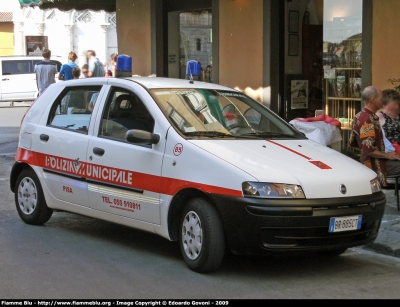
(334, 252)
(212, 236)
(29, 199)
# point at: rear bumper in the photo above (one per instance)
(262, 226)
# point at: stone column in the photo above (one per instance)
(19, 43)
(70, 36)
(102, 54)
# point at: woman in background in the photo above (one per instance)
(85, 71)
(388, 116)
(76, 73)
(113, 63)
(66, 69)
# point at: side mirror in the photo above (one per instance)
(141, 137)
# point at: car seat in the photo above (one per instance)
(141, 114)
(123, 112)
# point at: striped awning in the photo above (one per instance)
(79, 5)
(6, 16)
(30, 2)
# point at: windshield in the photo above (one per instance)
(219, 114)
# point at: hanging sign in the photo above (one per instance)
(35, 45)
(299, 94)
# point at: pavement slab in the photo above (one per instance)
(388, 240)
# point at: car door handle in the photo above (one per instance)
(44, 137)
(98, 151)
(5, 79)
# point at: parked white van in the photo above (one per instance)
(18, 79)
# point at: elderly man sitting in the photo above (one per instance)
(368, 136)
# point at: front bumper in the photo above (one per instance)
(273, 226)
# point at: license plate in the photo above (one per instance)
(346, 223)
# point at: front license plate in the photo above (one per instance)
(346, 223)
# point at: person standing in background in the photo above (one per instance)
(207, 74)
(96, 68)
(66, 69)
(45, 72)
(368, 137)
(85, 71)
(389, 115)
(113, 63)
(76, 73)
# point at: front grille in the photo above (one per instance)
(299, 237)
(339, 207)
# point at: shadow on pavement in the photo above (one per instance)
(112, 236)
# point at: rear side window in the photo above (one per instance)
(17, 67)
(72, 110)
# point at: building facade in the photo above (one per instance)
(67, 31)
(6, 28)
(270, 49)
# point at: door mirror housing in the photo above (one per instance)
(141, 137)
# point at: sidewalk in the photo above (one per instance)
(388, 241)
(9, 104)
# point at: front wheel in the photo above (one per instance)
(29, 199)
(202, 238)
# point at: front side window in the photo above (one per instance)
(73, 108)
(211, 113)
(124, 111)
(16, 67)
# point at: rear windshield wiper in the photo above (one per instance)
(211, 134)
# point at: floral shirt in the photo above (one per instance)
(370, 138)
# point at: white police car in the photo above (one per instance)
(199, 163)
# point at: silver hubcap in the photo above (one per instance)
(192, 235)
(27, 196)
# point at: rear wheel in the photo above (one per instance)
(334, 252)
(29, 199)
(202, 238)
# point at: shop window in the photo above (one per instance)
(342, 59)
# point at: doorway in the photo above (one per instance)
(190, 39)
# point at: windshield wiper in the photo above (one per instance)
(210, 134)
(269, 134)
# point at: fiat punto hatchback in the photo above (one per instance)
(195, 162)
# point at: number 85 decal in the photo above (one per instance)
(178, 149)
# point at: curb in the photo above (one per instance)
(10, 104)
(388, 240)
(383, 249)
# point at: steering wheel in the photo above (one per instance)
(232, 121)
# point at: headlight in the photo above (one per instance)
(375, 186)
(272, 190)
